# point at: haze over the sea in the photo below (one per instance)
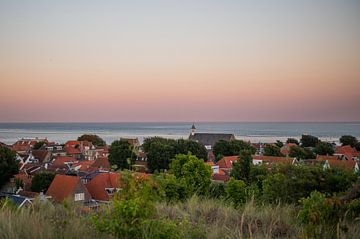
(254, 132)
(206, 60)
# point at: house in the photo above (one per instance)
(60, 161)
(103, 186)
(214, 167)
(270, 160)
(338, 162)
(209, 140)
(42, 156)
(54, 148)
(72, 144)
(20, 201)
(68, 187)
(74, 152)
(347, 152)
(25, 145)
(285, 150)
(226, 162)
(219, 177)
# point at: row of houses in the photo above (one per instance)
(82, 172)
(345, 158)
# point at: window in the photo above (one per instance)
(110, 191)
(79, 197)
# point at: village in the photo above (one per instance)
(80, 170)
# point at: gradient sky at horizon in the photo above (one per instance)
(112, 61)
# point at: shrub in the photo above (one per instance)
(318, 213)
(236, 192)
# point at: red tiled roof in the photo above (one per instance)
(337, 163)
(97, 185)
(61, 160)
(72, 143)
(83, 165)
(220, 177)
(348, 151)
(325, 157)
(62, 187)
(273, 159)
(226, 162)
(41, 155)
(102, 163)
(72, 151)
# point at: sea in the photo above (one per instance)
(249, 131)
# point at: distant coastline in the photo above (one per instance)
(250, 131)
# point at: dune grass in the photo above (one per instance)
(195, 218)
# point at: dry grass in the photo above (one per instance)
(222, 221)
(44, 221)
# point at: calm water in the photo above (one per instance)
(255, 132)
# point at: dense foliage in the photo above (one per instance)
(160, 151)
(192, 172)
(230, 148)
(94, 139)
(41, 181)
(292, 141)
(301, 153)
(309, 140)
(324, 148)
(8, 165)
(272, 150)
(348, 140)
(121, 155)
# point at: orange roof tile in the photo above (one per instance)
(100, 182)
(226, 162)
(61, 160)
(273, 159)
(72, 143)
(62, 187)
(72, 151)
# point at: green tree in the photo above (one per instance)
(292, 141)
(324, 148)
(192, 172)
(348, 140)
(236, 191)
(230, 148)
(159, 156)
(245, 164)
(279, 143)
(357, 146)
(223, 148)
(8, 165)
(275, 188)
(272, 150)
(309, 140)
(94, 139)
(161, 151)
(121, 154)
(39, 144)
(41, 181)
(236, 171)
(301, 153)
(184, 146)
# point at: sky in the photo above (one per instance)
(203, 60)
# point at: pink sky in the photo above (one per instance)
(96, 64)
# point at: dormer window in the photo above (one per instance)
(110, 191)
